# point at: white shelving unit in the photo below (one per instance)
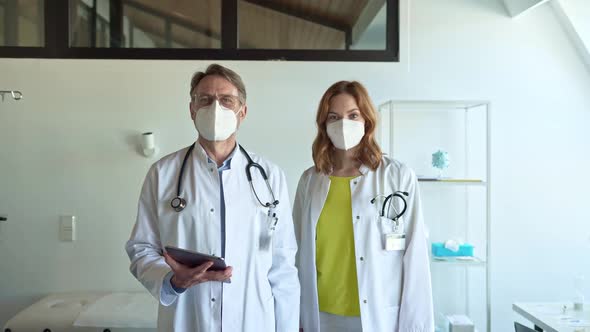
(456, 206)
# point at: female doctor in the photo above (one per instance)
(360, 267)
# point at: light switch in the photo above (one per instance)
(67, 228)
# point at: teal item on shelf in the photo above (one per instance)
(440, 159)
(439, 250)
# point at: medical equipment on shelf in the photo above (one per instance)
(452, 248)
(440, 160)
(460, 323)
(179, 203)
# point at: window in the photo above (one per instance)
(145, 24)
(21, 23)
(319, 30)
(312, 25)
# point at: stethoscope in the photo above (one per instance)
(387, 203)
(178, 203)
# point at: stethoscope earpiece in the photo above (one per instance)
(269, 205)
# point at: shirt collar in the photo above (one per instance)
(202, 156)
(226, 163)
(364, 169)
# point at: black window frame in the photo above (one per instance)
(57, 36)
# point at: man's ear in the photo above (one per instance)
(242, 116)
(244, 112)
(191, 111)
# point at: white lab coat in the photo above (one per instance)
(395, 291)
(264, 291)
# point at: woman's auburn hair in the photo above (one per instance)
(367, 152)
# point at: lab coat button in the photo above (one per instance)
(364, 301)
(358, 217)
(213, 300)
(212, 210)
(362, 259)
(354, 182)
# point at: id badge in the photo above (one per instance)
(393, 234)
(394, 242)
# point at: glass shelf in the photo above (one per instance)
(456, 201)
(461, 261)
(464, 182)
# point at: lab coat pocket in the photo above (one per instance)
(386, 225)
(387, 264)
(392, 235)
(391, 226)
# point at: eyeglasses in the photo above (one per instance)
(227, 101)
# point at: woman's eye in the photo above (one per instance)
(354, 116)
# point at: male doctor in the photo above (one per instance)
(222, 216)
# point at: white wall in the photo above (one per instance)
(573, 15)
(517, 7)
(69, 146)
(578, 11)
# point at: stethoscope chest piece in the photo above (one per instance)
(178, 203)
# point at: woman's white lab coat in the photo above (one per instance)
(264, 288)
(394, 286)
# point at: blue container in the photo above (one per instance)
(439, 250)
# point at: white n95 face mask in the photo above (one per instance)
(215, 122)
(345, 134)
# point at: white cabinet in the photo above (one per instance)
(457, 205)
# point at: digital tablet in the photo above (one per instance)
(193, 259)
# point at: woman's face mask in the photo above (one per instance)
(345, 134)
(345, 124)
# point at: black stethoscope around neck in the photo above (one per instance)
(178, 203)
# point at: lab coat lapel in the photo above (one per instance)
(322, 186)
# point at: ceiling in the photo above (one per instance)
(285, 24)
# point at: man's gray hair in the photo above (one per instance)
(221, 71)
